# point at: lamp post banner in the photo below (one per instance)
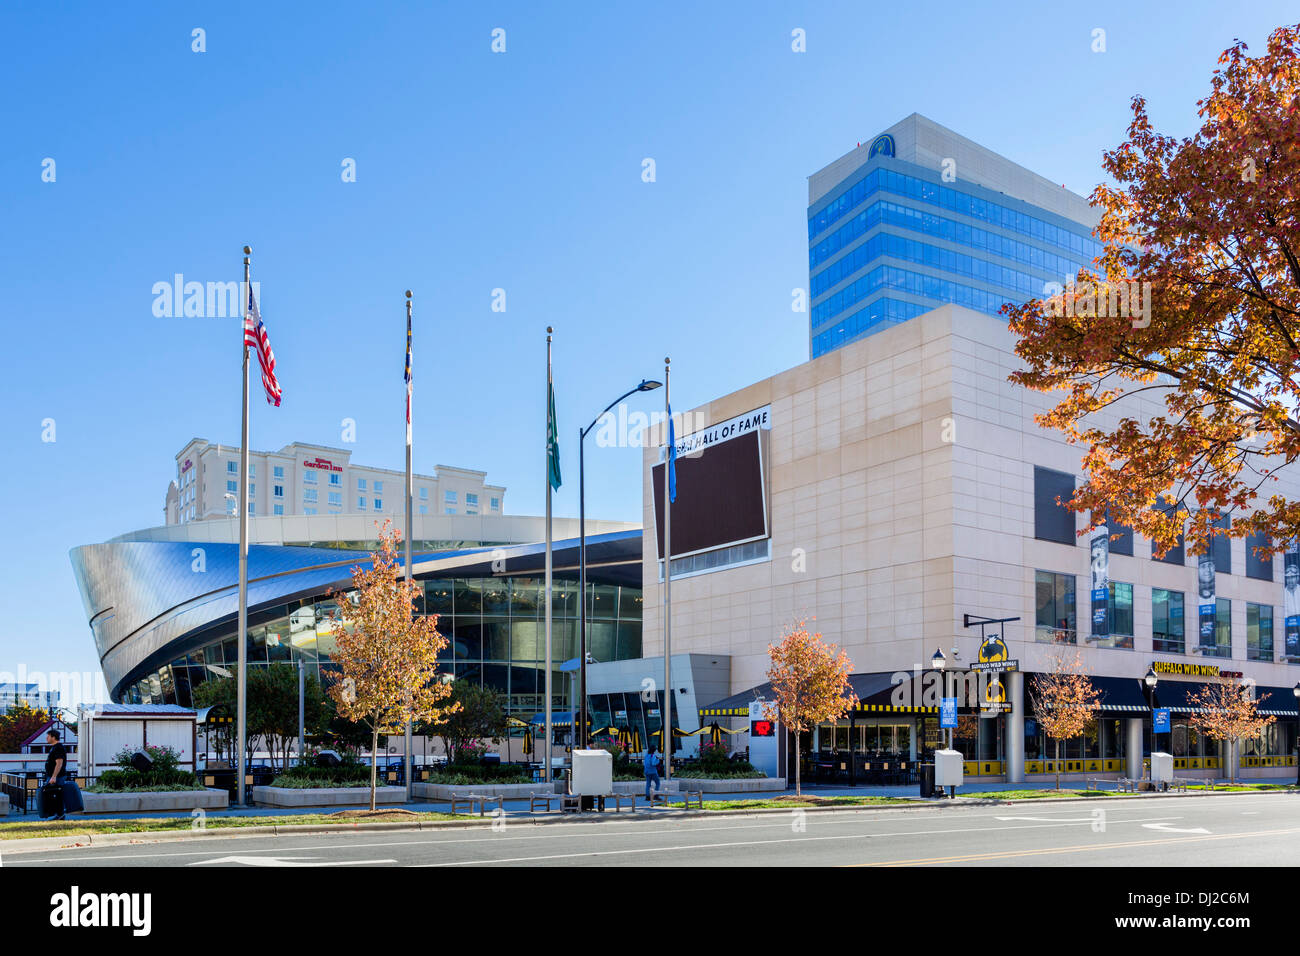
(1205, 599)
(1291, 597)
(1100, 548)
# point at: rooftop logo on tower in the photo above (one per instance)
(882, 145)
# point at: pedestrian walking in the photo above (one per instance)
(651, 764)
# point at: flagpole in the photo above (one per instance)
(241, 636)
(668, 585)
(546, 770)
(409, 488)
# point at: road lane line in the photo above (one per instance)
(1046, 851)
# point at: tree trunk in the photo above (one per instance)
(374, 764)
(798, 777)
(1058, 763)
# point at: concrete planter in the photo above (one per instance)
(206, 799)
(511, 791)
(327, 796)
(4, 805)
(737, 785)
(638, 786)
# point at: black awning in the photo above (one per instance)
(1273, 701)
(1121, 695)
(875, 693)
(737, 705)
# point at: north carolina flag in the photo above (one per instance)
(255, 336)
(407, 376)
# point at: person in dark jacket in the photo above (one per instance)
(56, 769)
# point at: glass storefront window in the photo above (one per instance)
(1259, 632)
(1055, 615)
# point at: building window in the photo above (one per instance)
(361, 503)
(450, 511)
(279, 509)
(424, 494)
(335, 478)
(278, 471)
(309, 477)
(232, 468)
(471, 500)
(252, 470)
(1054, 618)
(309, 511)
(1259, 632)
(496, 504)
(424, 509)
(250, 508)
(1167, 621)
(1220, 645)
(277, 491)
(1052, 521)
(309, 494)
(1120, 613)
(1259, 566)
(1175, 554)
(336, 498)
(232, 486)
(1221, 547)
(449, 498)
(379, 504)
(361, 484)
(252, 490)
(379, 487)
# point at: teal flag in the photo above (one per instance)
(552, 440)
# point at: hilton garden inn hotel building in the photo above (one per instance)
(897, 484)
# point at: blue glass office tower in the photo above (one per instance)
(920, 216)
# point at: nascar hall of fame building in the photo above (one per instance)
(897, 494)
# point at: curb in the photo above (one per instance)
(82, 840)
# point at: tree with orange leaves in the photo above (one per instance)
(387, 655)
(1209, 229)
(1226, 710)
(810, 681)
(1065, 701)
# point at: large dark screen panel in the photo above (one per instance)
(1053, 522)
(720, 497)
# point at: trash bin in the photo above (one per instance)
(927, 779)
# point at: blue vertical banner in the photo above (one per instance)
(1206, 602)
(1100, 548)
(1291, 597)
(948, 713)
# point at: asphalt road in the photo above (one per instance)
(1200, 831)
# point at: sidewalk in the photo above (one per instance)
(519, 808)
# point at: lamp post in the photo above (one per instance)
(1296, 692)
(1150, 680)
(939, 662)
(580, 731)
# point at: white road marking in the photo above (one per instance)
(285, 861)
(1166, 828)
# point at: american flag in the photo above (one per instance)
(255, 336)
(407, 374)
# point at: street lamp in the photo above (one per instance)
(646, 385)
(1150, 680)
(1296, 690)
(939, 662)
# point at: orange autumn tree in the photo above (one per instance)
(1226, 710)
(387, 654)
(1202, 241)
(1065, 701)
(810, 681)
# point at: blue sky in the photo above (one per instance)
(475, 171)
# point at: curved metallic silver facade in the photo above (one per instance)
(146, 601)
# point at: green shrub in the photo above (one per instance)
(125, 780)
(740, 770)
(292, 781)
(457, 777)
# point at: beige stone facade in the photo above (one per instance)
(901, 496)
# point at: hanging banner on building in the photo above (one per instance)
(1291, 597)
(1205, 598)
(1100, 547)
